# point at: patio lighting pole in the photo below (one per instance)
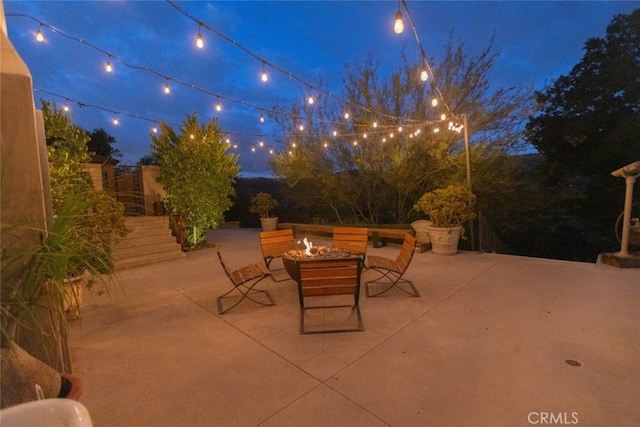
(468, 162)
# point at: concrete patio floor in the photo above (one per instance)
(486, 344)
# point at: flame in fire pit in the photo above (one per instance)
(308, 246)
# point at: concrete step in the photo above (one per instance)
(149, 241)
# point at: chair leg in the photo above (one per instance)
(355, 307)
(245, 294)
(393, 280)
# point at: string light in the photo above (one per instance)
(108, 66)
(218, 106)
(310, 100)
(434, 102)
(398, 25)
(116, 121)
(39, 35)
(264, 77)
(261, 118)
(346, 115)
(154, 129)
(167, 90)
(199, 41)
(424, 76)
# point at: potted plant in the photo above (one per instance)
(447, 208)
(262, 204)
(35, 291)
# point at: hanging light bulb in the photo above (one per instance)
(434, 102)
(228, 141)
(154, 129)
(218, 106)
(264, 77)
(65, 107)
(398, 25)
(346, 115)
(364, 135)
(199, 41)
(424, 76)
(115, 121)
(253, 149)
(335, 133)
(310, 99)
(436, 130)
(261, 118)
(108, 66)
(261, 144)
(167, 90)
(39, 35)
(443, 116)
(375, 124)
(301, 128)
(399, 128)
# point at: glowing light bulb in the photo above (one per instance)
(443, 116)
(39, 35)
(166, 88)
(325, 145)
(293, 145)
(364, 135)
(436, 130)
(346, 115)
(355, 143)
(335, 133)
(310, 99)
(271, 151)
(261, 144)
(398, 25)
(199, 41)
(434, 102)
(253, 149)
(154, 129)
(218, 106)
(115, 121)
(391, 135)
(261, 118)
(65, 107)
(384, 139)
(375, 124)
(301, 128)
(399, 128)
(228, 141)
(108, 67)
(264, 77)
(424, 76)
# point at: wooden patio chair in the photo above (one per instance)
(352, 239)
(274, 244)
(244, 280)
(328, 278)
(391, 271)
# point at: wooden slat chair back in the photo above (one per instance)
(392, 270)
(326, 278)
(274, 244)
(353, 239)
(244, 279)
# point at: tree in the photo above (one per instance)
(588, 121)
(375, 174)
(587, 126)
(197, 174)
(101, 143)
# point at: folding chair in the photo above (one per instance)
(244, 280)
(352, 239)
(328, 278)
(274, 244)
(393, 270)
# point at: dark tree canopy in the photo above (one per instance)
(101, 143)
(589, 120)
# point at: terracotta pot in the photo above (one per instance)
(444, 241)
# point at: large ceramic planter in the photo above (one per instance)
(269, 224)
(444, 241)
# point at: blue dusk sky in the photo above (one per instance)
(294, 41)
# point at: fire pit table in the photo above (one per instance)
(293, 258)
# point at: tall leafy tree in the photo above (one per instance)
(587, 126)
(197, 173)
(588, 121)
(375, 175)
(101, 143)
